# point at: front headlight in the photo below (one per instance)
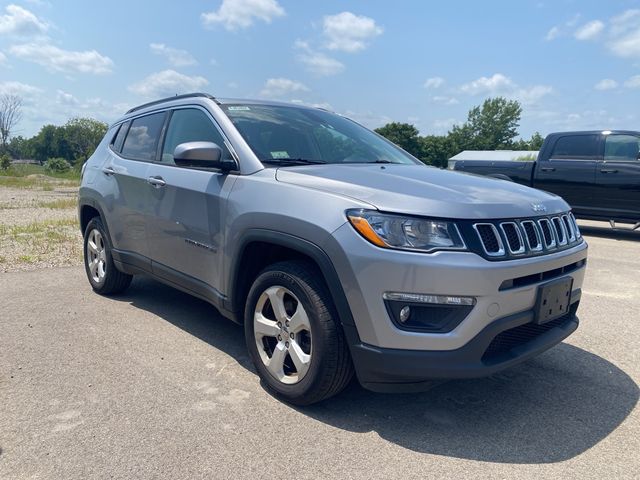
(406, 233)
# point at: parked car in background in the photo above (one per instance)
(596, 172)
(337, 250)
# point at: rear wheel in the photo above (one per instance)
(293, 334)
(103, 275)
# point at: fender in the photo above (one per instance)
(302, 246)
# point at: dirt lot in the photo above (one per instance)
(38, 223)
(155, 384)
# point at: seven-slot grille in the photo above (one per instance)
(529, 236)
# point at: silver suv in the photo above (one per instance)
(337, 251)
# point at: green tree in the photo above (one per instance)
(491, 126)
(82, 136)
(49, 143)
(436, 150)
(405, 135)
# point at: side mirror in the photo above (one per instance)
(201, 155)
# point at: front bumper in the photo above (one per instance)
(502, 344)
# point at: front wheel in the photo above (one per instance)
(102, 273)
(293, 334)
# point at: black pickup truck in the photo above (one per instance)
(597, 172)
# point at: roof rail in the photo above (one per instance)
(168, 99)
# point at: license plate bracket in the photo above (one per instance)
(553, 300)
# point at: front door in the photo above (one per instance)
(184, 224)
(570, 170)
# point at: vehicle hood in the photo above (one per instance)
(428, 191)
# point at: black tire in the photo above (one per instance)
(330, 367)
(113, 281)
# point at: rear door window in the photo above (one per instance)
(621, 148)
(576, 147)
(143, 136)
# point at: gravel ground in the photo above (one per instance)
(155, 384)
(38, 227)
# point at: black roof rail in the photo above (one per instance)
(168, 99)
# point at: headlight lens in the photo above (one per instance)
(404, 232)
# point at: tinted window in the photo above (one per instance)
(142, 139)
(621, 147)
(583, 147)
(190, 125)
(276, 133)
(118, 139)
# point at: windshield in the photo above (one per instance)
(289, 135)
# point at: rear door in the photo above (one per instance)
(184, 224)
(618, 177)
(133, 149)
(570, 170)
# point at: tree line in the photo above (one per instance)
(490, 126)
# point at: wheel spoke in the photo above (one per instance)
(93, 267)
(300, 359)
(299, 320)
(276, 362)
(92, 246)
(276, 297)
(101, 269)
(265, 327)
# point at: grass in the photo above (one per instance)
(24, 170)
(36, 228)
(60, 204)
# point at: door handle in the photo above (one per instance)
(547, 169)
(607, 170)
(156, 181)
(108, 171)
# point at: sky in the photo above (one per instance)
(571, 64)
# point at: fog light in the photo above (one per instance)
(405, 312)
(427, 313)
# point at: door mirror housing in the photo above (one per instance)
(202, 155)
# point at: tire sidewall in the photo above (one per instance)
(96, 224)
(318, 345)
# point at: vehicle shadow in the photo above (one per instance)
(547, 410)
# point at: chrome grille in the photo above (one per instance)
(528, 236)
(490, 239)
(513, 237)
(547, 233)
(534, 242)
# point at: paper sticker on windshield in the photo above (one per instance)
(282, 154)
(238, 108)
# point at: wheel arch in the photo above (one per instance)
(260, 248)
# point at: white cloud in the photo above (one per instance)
(20, 22)
(633, 82)
(277, 87)
(175, 56)
(3, 58)
(589, 30)
(318, 62)
(499, 84)
(238, 14)
(434, 82)
(606, 84)
(552, 34)
(444, 100)
(65, 98)
(625, 34)
(17, 88)
(494, 85)
(167, 83)
(55, 58)
(348, 32)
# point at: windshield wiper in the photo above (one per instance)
(292, 161)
